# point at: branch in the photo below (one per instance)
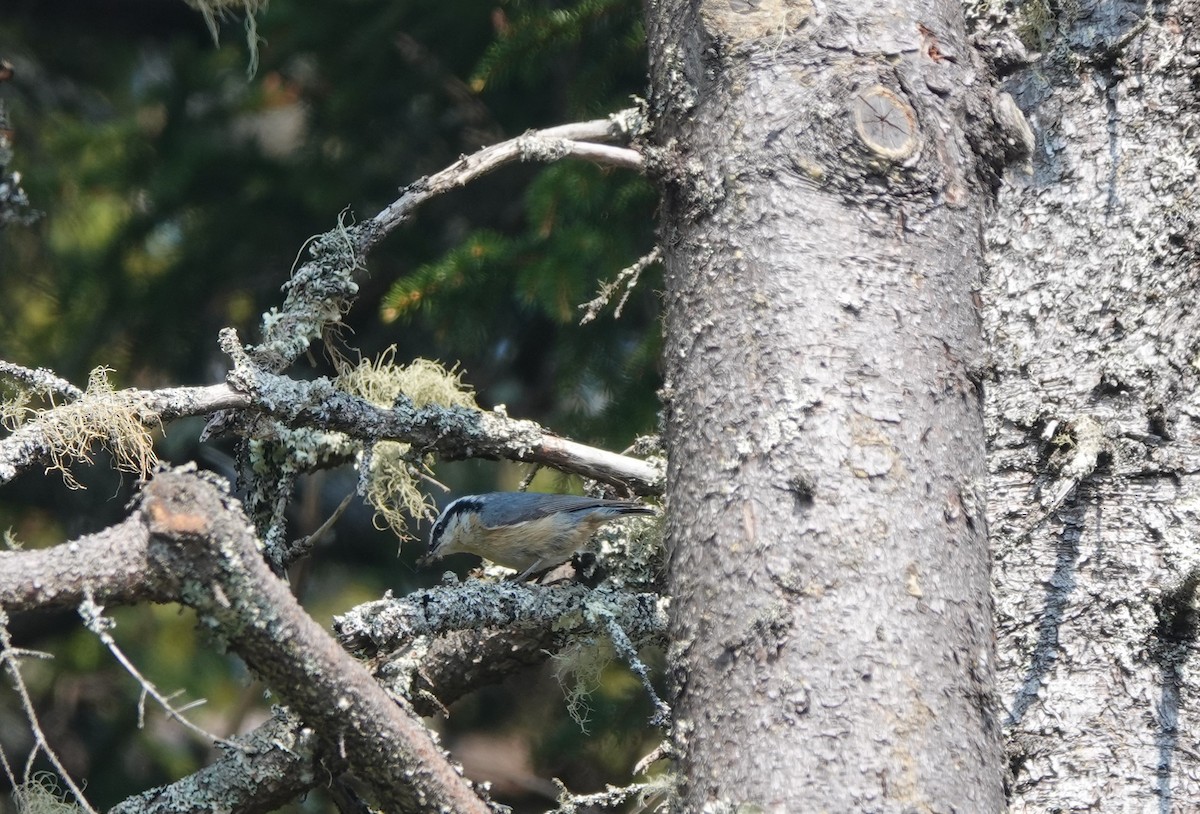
(454, 433)
(512, 625)
(323, 288)
(201, 535)
(126, 563)
(40, 380)
(274, 764)
(101, 626)
(629, 277)
(31, 445)
(462, 661)
(389, 624)
(282, 759)
(114, 565)
(190, 542)
(551, 144)
(10, 658)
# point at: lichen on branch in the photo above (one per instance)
(121, 421)
(391, 469)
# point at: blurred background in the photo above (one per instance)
(176, 194)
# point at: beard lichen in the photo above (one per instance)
(579, 670)
(391, 470)
(212, 10)
(119, 420)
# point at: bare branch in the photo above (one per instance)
(627, 650)
(93, 617)
(612, 796)
(40, 380)
(551, 144)
(114, 565)
(10, 657)
(628, 276)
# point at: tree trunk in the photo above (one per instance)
(1092, 417)
(821, 227)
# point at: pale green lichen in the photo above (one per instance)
(393, 470)
(212, 10)
(579, 670)
(14, 408)
(119, 420)
(40, 795)
(632, 551)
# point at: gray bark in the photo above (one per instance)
(1090, 312)
(829, 566)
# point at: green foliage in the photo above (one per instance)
(582, 225)
(599, 38)
(552, 266)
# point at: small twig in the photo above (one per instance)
(95, 621)
(10, 656)
(8, 769)
(40, 380)
(527, 481)
(629, 276)
(664, 751)
(301, 547)
(626, 650)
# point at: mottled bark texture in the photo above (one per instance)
(1091, 314)
(831, 618)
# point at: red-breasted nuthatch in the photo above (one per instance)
(528, 531)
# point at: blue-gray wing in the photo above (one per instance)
(511, 508)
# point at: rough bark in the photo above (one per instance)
(1092, 320)
(822, 215)
(199, 535)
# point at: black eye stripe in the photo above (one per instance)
(458, 507)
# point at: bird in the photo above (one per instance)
(525, 531)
